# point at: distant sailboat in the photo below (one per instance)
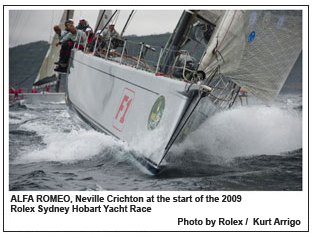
(47, 75)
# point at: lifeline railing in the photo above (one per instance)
(139, 55)
(223, 91)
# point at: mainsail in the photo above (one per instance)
(255, 49)
(46, 72)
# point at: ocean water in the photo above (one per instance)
(245, 148)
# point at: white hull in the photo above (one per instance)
(120, 100)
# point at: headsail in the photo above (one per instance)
(46, 72)
(255, 49)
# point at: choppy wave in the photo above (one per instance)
(246, 148)
(247, 131)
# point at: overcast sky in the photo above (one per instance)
(32, 25)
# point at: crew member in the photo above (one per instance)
(83, 25)
(75, 36)
(111, 33)
(100, 43)
(61, 33)
(243, 94)
(47, 88)
(89, 34)
(187, 60)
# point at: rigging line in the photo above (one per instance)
(51, 26)
(132, 16)
(12, 24)
(25, 21)
(109, 20)
(50, 42)
(100, 20)
(126, 25)
(194, 48)
(15, 20)
(13, 35)
(18, 15)
(80, 14)
(116, 18)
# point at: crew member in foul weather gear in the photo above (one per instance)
(75, 35)
(100, 43)
(59, 33)
(113, 34)
(187, 61)
(75, 38)
(83, 25)
(90, 35)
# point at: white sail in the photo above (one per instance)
(46, 72)
(255, 49)
(101, 21)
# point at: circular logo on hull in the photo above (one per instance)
(156, 113)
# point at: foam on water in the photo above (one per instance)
(149, 144)
(19, 117)
(63, 140)
(243, 131)
(247, 131)
(75, 145)
(73, 157)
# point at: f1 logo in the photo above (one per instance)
(123, 109)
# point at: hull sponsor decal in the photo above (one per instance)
(156, 113)
(123, 109)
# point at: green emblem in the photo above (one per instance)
(156, 113)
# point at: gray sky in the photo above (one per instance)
(32, 25)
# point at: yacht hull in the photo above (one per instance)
(137, 107)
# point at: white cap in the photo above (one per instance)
(70, 20)
(82, 19)
(111, 24)
(88, 29)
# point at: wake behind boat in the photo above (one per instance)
(136, 101)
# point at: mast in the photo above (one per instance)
(68, 15)
(175, 41)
